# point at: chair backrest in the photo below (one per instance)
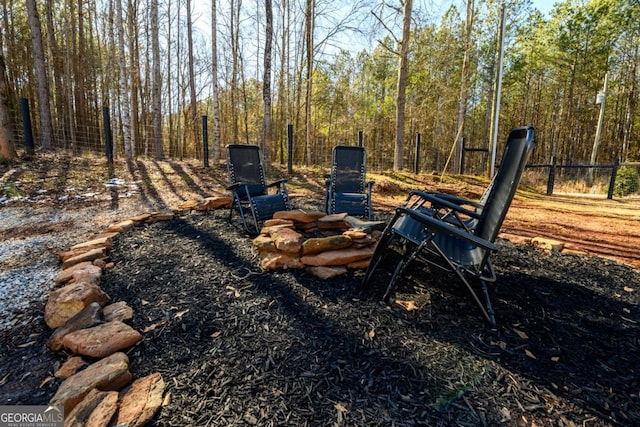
(348, 169)
(244, 164)
(504, 185)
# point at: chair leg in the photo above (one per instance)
(378, 255)
(486, 312)
(401, 267)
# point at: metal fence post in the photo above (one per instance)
(612, 180)
(416, 166)
(108, 138)
(205, 141)
(290, 149)
(552, 176)
(360, 138)
(26, 123)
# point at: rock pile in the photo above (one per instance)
(340, 242)
(96, 389)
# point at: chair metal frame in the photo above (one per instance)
(347, 189)
(455, 234)
(249, 187)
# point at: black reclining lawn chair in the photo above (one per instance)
(249, 186)
(347, 191)
(441, 231)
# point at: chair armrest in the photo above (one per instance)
(458, 200)
(437, 225)
(277, 183)
(235, 186)
(434, 199)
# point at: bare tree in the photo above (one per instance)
(158, 151)
(214, 75)
(192, 84)
(7, 137)
(46, 126)
(309, 24)
(129, 149)
(266, 85)
(401, 98)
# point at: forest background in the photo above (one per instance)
(330, 69)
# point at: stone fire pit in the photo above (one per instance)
(326, 245)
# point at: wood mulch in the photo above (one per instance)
(239, 346)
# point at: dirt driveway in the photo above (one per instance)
(596, 226)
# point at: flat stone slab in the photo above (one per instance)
(70, 367)
(326, 273)
(100, 242)
(141, 401)
(117, 311)
(89, 255)
(102, 340)
(273, 261)
(90, 316)
(110, 373)
(96, 409)
(338, 257)
(67, 274)
(299, 215)
(547, 244)
(66, 302)
(321, 244)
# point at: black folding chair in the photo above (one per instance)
(346, 189)
(250, 189)
(446, 234)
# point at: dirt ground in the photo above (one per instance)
(238, 346)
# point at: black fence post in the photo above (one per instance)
(552, 176)
(290, 149)
(464, 151)
(612, 181)
(205, 141)
(360, 138)
(26, 124)
(416, 164)
(108, 138)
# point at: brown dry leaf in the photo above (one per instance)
(216, 334)
(529, 354)
(153, 327)
(340, 407)
(502, 345)
(372, 333)
(506, 415)
(181, 313)
(407, 305)
(521, 334)
(555, 358)
(628, 289)
(46, 381)
(236, 292)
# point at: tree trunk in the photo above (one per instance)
(309, 23)
(158, 151)
(46, 126)
(124, 87)
(401, 98)
(214, 76)
(192, 87)
(7, 137)
(235, 34)
(462, 101)
(266, 85)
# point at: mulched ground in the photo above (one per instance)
(238, 346)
